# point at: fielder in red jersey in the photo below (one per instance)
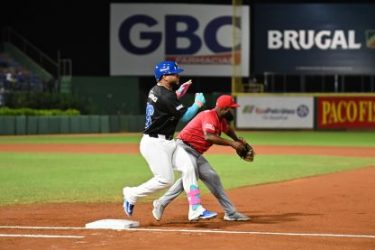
(197, 137)
(206, 122)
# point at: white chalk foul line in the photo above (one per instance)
(255, 233)
(332, 235)
(53, 236)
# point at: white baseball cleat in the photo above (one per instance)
(128, 207)
(158, 210)
(201, 213)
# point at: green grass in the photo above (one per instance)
(67, 177)
(313, 138)
(276, 168)
(72, 139)
(28, 178)
(38, 177)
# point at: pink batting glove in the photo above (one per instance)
(183, 89)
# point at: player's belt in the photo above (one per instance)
(189, 145)
(161, 136)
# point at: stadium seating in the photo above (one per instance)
(16, 77)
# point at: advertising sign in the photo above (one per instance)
(314, 38)
(199, 37)
(271, 112)
(346, 112)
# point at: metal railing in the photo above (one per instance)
(57, 68)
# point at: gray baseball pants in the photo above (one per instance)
(209, 177)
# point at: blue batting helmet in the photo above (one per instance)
(166, 68)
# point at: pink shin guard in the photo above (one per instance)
(194, 196)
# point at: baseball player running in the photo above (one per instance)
(163, 111)
(196, 138)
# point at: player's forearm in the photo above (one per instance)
(214, 139)
(190, 113)
(199, 101)
(232, 134)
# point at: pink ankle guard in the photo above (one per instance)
(194, 195)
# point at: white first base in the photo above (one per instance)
(114, 224)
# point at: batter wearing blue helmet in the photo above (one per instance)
(166, 68)
(160, 150)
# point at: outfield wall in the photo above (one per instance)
(108, 95)
(257, 111)
(345, 112)
(302, 111)
(27, 125)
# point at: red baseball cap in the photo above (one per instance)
(226, 101)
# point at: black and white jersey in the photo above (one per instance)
(163, 111)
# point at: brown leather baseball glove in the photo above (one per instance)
(247, 154)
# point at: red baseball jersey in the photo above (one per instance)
(205, 122)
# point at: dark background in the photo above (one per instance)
(79, 29)
(359, 17)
